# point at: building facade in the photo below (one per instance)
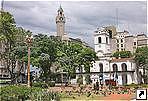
(123, 41)
(123, 70)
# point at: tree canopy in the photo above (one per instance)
(12, 42)
(48, 51)
(141, 58)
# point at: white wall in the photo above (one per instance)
(130, 65)
(96, 67)
(131, 76)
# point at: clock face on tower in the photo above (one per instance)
(61, 18)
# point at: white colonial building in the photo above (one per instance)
(107, 41)
(122, 71)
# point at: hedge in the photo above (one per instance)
(17, 93)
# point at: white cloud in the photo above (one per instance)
(82, 17)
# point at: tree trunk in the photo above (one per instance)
(138, 76)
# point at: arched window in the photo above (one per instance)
(107, 40)
(101, 71)
(115, 68)
(99, 39)
(121, 40)
(124, 67)
(110, 33)
(101, 67)
(124, 74)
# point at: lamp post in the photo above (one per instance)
(29, 41)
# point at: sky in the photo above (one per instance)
(82, 17)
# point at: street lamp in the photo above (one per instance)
(29, 41)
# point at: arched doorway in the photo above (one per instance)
(101, 68)
(124, 74)
(101, 74)
(115, 70)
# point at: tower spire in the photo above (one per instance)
(60, 9)
(60, 5)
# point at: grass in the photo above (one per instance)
(137, 85)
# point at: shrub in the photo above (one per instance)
(80, 79)
(88, 79)
(136, 85)
(145, 85)
(17, 93)
(51, 83)
(14, 93)
(40, 84)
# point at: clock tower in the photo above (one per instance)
(60, 22)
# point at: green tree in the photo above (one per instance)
(12, 38)
(74, 56)
(47, 51)
(141, 58)
(43, 54)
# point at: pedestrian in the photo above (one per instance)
(97, 85)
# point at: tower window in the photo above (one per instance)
(107, 40)
(121, 40)
(60, 13)
(101, 67)
(115, 68)
(99, 39)
(121, 45)
(134, 43)
(61, 18)
(110, 33)
(117, 41)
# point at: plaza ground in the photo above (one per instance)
(126, 97)
(92, 97)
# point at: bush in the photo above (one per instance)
(17, 93)
(144, 85)
(14, 93)
(51, 83)
(88, 79)
(136, 85)
(80, 79)
(40, 84)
